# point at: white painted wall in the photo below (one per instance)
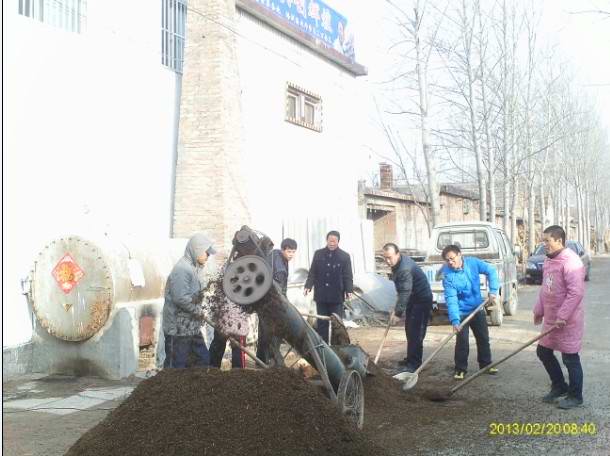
(293, 172)
(89, 122)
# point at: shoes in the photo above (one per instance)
(569, 402)
(459, 375)
(492, 371)
(554, 394)
(405, 367)
(402, 362)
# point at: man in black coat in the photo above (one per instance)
(414, 299)
(331, 278)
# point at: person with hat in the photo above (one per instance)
(183, 311)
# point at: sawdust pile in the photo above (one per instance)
(212, 412)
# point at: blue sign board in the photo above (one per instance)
(316, 19)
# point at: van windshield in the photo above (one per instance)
(465, 240)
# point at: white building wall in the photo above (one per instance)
(88, 135)
(294, 173)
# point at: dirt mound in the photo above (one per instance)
(208, 411)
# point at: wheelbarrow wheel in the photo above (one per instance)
(350, 397)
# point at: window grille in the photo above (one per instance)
(173, 33)
(69, 15)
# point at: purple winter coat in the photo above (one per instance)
(562, 297)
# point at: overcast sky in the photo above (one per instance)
(582, 39)
(585, 39)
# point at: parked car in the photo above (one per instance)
(485, 241)
(533, 271)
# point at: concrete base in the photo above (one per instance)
(17, 361)
(113, 353)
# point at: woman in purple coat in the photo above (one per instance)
(561, 304)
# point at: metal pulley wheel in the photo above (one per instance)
(350, 397)
(247, 280)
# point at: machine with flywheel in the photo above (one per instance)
(248, 282)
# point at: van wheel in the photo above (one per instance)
(496, 315)
(510, 306)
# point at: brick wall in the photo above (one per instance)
(209, 191)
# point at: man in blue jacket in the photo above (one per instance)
(463, 295)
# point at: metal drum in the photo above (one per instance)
(76, 282)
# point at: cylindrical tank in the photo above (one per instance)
(77, 282)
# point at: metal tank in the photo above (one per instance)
(77, 282)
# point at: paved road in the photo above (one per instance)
(463, 425)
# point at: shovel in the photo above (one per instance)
(409, 379)
(385, 336)
(447, 396)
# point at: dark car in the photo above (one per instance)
(533, 272)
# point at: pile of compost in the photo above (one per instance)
(214, 412)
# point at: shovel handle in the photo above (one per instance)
(385, 336)
(234, 341)
(510, 355)
(450, 336)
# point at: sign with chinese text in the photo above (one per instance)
(316, 19)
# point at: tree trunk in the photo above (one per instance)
(429, 154)
(531, 220)
(513, 207)
(542, 204)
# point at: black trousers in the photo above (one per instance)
(478, 324)
(217, 351)
(326, 309)
(417, 316)
(572, 363)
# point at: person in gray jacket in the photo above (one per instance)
(183, 311)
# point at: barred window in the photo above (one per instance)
(173, 32)
(303, 108)
(68, 15)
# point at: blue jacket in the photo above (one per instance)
(462, 287)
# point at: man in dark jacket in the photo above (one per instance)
(279, 259)
(414, 298)
(182, 311)
(330, 275)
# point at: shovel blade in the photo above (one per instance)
(408, 379)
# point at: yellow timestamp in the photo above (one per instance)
(541, 429)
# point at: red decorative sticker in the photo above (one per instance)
(67, 273)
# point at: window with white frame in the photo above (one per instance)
(173, 33)
(303, 108)
(68, 15)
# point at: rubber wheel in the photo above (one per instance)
(247, 279)
(510, 306)
(350, 397)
